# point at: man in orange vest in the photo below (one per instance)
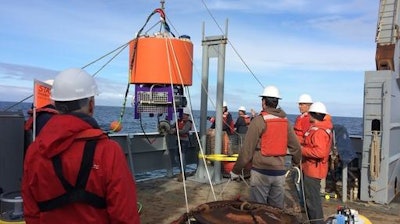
(183, 125)
(228, 128)
(315, 151)
(265, 146)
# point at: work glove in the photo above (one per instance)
(234, 176)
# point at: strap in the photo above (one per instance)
(75, 193)
(58, 169)
(86, 164)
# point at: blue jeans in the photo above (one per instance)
(184, 148)
(267, 189)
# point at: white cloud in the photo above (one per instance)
(282, 42)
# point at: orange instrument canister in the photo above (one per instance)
(161, 60)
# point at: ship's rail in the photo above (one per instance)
(153, 151)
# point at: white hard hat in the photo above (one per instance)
(271, 91)
(73, 84)
(318, 107)
(305, 98)
(224, 104)
(49, 82)
(242, 108)
(186, 110)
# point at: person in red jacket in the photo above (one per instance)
(302, 122)
(315, 155)
(73, 173)
(268, 140)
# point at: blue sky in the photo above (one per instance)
(301, 46)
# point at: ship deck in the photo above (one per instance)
(163, 200)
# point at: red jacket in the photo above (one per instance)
(109, 178)
(301, 125)
(315, 149)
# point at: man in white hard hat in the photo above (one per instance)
(315, 151)
(269, 137)
(183, 125)
(301, 126)
(302, 123)
(73, 173)
(242, 123)
(228, 127)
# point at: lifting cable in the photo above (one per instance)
(168, 46)
(234, 49)
(166, 27)
(120, 48)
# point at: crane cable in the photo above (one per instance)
(234, 49)
(169, 45)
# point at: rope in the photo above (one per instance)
(17, 103)
(375, 156)
(234, 49)
(139, 207)
(120, 48)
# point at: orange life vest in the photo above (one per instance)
(181, 124)
(231, 124)
(274, 139)
(29, 123)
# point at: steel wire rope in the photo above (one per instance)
(83, 67)
(122, 47)
(176, 122)
(202, 85)
(197, 71)
(186, 89)
(122, 113)
(234, 49)
(213, 104)
(252, 73)
(197, 136)
(161, 12)
(204, 88)
(191, 114)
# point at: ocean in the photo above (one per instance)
(106, 114)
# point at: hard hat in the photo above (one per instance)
(271, 91)
(186, 110)
(305, 98)
(242, 108)
(224, 104)
(73, 84)
(49, 82)
(318, 107)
